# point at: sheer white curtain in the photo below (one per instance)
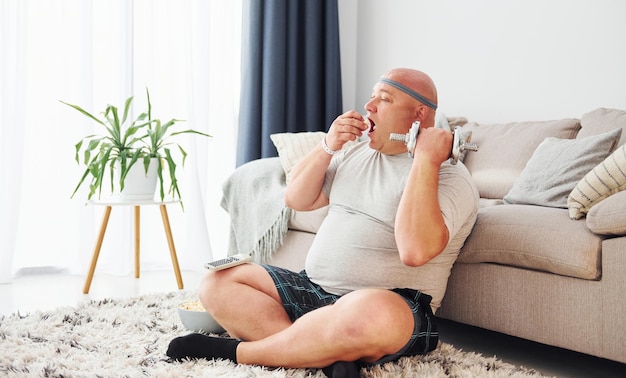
(93, 53)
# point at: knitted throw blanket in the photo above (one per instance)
(253, 197)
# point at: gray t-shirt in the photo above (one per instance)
(355, 246)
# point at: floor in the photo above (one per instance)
(39, 290)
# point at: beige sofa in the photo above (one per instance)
(529, 268)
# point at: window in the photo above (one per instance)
(93, 53)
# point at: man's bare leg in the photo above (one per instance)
(244, 300)
(363, 325)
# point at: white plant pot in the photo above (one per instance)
(138, 185)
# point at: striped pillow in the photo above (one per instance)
(292, 147)
(607, 178)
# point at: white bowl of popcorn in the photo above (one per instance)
(195, 318)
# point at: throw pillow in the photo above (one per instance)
(292, 147)
(602, 120)
(506, 148)
(607, 178)
(556, 166)
(609, 216)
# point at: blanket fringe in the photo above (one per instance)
(273, 237)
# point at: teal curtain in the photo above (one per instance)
(291, 79)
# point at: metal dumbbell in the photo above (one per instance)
(460, 144)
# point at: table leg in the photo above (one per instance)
(137, 238)
(170, 242)
(96, 251)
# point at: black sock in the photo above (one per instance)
(342, 369)
(197, 345)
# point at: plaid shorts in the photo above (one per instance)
(300, 295)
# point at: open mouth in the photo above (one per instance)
(371, 124)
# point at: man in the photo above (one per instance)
(379, 265)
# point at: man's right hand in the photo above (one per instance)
(345, 128)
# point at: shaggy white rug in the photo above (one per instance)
(128, 338)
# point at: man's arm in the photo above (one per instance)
(304, 191)
(420, 230)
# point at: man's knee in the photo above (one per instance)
(207, 291)
(215, 285)
(378, 318)
(219, 286)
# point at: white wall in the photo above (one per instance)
(492, 60)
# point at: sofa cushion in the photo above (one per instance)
(605, 179)
(602, 120)
(484, 202)
(609, 216)
(505, 149)
(533, 237)
(557, 165)
(456, 121)
(308, 221)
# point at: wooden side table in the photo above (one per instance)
(136, 205)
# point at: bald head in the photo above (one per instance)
(417, 85)
(418, 82)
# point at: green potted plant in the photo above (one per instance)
(121, 147)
